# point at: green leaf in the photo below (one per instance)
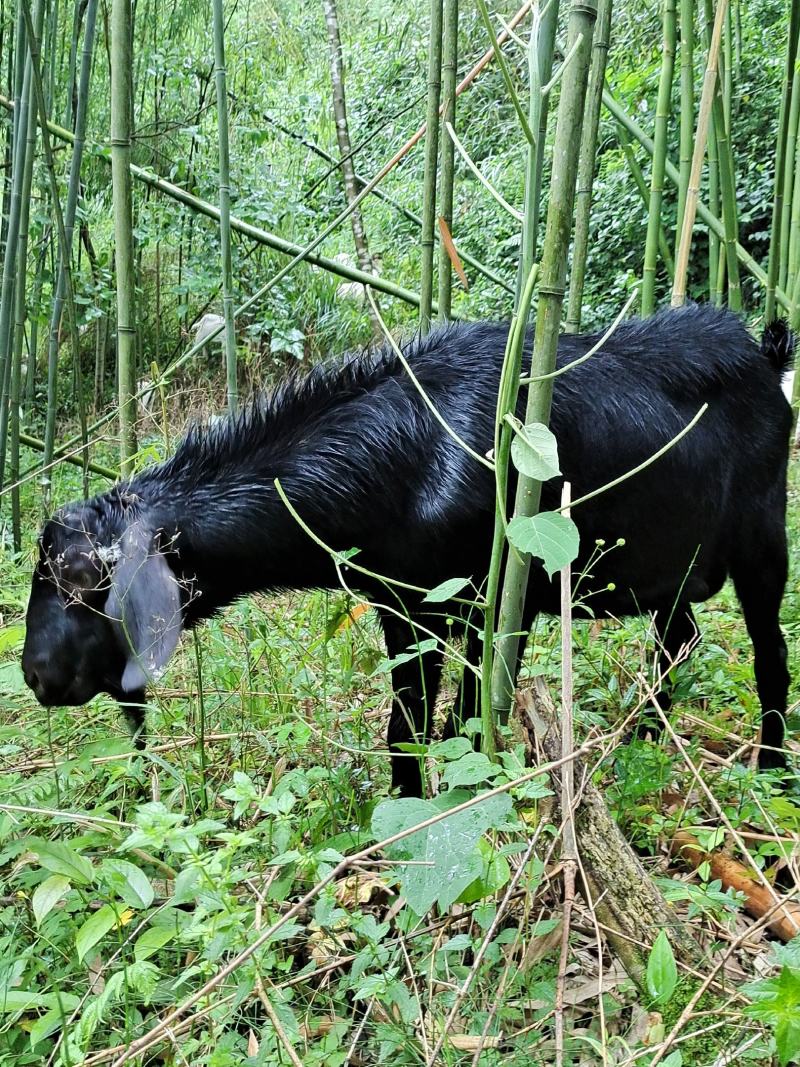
(548, 536)
(11, 637)
(95, 927)
(25, 1000)
(58, 857)
(662, 971)
(777, 1002)
(46, 1025)
(451, 749)
(446, 590)
(494, 875)
(446, 854)
(152, 940)
(534, 451)
(129, 883)
(472, 768)
(47, 895)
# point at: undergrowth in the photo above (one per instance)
(127, 880)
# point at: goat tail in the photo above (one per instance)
(778, 344)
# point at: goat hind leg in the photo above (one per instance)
(677, 633)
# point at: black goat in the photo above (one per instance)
(366, 465)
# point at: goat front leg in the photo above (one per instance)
(132, 707)
(415, 683)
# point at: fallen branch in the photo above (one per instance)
(759, 901)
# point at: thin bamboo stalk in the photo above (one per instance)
(687, 106)
(644, 192)
(586, 165)
(663, 108)
(121, 118)
(792, 139)
(431, 159)
(773, 268)
(23, 75)
(449, 75)
(225, 206)
(540, 69)
(73, 191)
(727, 189)
(15, 388)
(498, 669)
(693, 192)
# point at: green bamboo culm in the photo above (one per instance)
(644, 192)
(73, 193)
(540, 69)
(431, 159)
(121, 122)
(663, 108)
(225, 205)
(586, 164)
(23, 102)
(792, 138)
(687, 106)
(449, 77)
(773, 267)
(498, 693)
(18, 332)
(720, 134)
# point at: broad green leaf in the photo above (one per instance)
(95, 928)
(446, 590)
(152, 940)
(534, 451)
(58, 857)
(48, 893)
(494, 875)
(452, 748)
(548, 536)
(46, 1025)
(12, 681)
(662, 971)
(129, 883)
(777, 1002)
(472, 768)
(447, 856)
(26, 1000)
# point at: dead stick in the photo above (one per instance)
(733, 875)
(569, 847)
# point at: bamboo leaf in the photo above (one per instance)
(96, 927)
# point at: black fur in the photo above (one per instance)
(367, 466)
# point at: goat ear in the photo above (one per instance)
(145, 602)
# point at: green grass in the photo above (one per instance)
(287, 695)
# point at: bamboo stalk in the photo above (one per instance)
(693, 191)
(727, 189)
(663, 108)
(586, 165)
(773, 268)
(18, 333)
(225, 206)
(687, 107)
(644, 192)
(431, 159)
(548, 319)
(121, 120)
(540, 69)
(449, 74)
(23, 91)
(73, 191)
